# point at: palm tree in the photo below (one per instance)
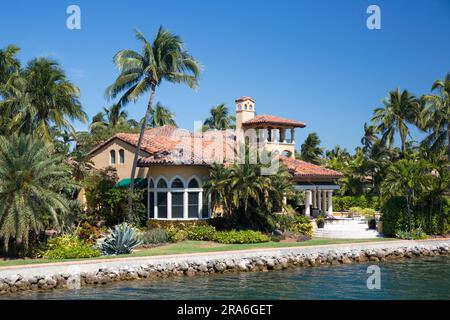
(311, 150)
(9, 64)
(407, 177)
(219, 118)
(31, 179)
(111, 118)
(437, 115)
(41, 98)
(400, 108)
(162, 116)
(163, 59)
(369, 138)
(217, 186)
(338, 152)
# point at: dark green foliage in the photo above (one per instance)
(70, 247)
(201, 233)
(344, 203)
(310, 150)
(243, 236)
(294, 223)
(109, 203)
(183, 225)
(395, 216)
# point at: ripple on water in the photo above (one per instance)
(419, 278)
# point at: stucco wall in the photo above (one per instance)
(101, 159)
(184, 172)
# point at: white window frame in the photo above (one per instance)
(153, 192)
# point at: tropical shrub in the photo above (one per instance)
(88, 232)
(243, 236)
(167, 224)
(305, 229)
(284, 222)
(177, 235)
(416, 234)
(109, 203)
(69, 247)
(395, 217)
(121, 240)
(154, 236)
(344, 203)
(201, 233)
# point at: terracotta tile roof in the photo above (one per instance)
(245, 99)
(273, 120)
(302, 169)
(202, 149)
(171, 146)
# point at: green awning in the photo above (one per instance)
(140, 183)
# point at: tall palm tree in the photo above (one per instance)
(32, 176)
(311, 150)
(163, 59)
(400, 108)
(41, 98)
(162, 116)
(9, 64)
(437, 115)
(220, 119)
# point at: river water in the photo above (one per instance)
(418, 278)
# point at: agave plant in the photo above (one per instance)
(122, 240)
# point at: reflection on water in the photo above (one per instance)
(420, 278)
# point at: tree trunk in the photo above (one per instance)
(448, 139)
(138, 149)
(408, 206)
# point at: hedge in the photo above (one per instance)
(344, 203)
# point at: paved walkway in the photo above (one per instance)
(94, 265)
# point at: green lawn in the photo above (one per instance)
(200, 246)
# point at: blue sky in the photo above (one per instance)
(314, 61)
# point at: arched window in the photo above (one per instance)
(177, 184)
(121, 156)
(287, 153)
(112, 157)
(151, 185)
(193, 184)
(161, 199)
(162, 184)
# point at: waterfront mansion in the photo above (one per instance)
(174, 163)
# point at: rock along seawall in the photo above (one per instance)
(84, 273)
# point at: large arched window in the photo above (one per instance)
(112, 157)
(177, 199)
(161, 199)
(121, 156)
(193, 199)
